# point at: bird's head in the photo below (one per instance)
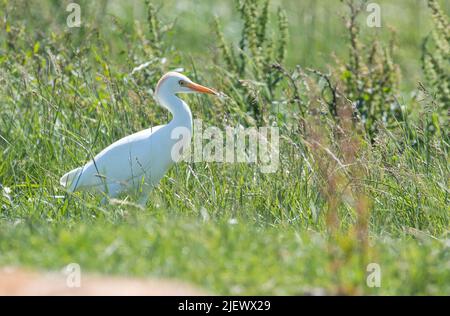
(174, 82)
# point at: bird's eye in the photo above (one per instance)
(181, 82)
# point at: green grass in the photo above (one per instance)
(223, 258)
(316, 27)
(226, 227)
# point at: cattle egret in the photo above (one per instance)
(136, 163)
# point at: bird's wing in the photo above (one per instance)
(121, 161)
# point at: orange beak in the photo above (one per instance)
(201, 89)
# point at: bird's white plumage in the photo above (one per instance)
(136, 163)
(99, 170)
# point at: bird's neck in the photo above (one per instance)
(182, 116)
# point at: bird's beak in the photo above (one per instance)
(201, 89)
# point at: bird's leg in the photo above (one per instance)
(143, 193)
(143, 199)
(112, 191)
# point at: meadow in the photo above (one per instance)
(362, 115)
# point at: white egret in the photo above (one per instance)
(136, 163)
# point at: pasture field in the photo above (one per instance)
(358, 203)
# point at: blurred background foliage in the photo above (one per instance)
(316, 28)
